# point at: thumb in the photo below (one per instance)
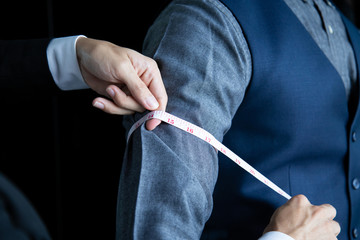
(140, 91)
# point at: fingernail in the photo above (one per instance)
(98, 105)
(152, 103)
(110, 91)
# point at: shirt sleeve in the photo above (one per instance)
(168, 176)
(275, 236)
(63, 64)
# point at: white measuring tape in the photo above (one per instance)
(207, 137)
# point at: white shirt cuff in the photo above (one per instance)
(63, 63)
(275, 236)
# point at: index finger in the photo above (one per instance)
(156, 86)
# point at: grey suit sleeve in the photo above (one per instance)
(168, 176)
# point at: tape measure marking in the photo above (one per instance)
(207, 137)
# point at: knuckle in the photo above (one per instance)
(153, 64)
(119, 99)
(142, 89)
(301, 200)
(327, 205)
(321, 213)
(153, 68)
(329, 210)
(323, 210)
(318, 211)
(165, 98)
(122, 66)
(109, 110)
(337, 228)
(333, 228)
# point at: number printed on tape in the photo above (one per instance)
(207, 137)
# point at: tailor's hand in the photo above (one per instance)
(301, 220)
(130, 79)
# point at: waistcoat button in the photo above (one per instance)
(355, 233)
(356, 183)
(354, 136)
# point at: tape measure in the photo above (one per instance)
(210, 139)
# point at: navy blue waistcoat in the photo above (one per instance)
(293, 126)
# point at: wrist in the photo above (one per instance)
(63, 63)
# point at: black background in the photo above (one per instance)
(61, 152)
(64, 154)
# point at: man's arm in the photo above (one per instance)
(130, 79)
(168, 177)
